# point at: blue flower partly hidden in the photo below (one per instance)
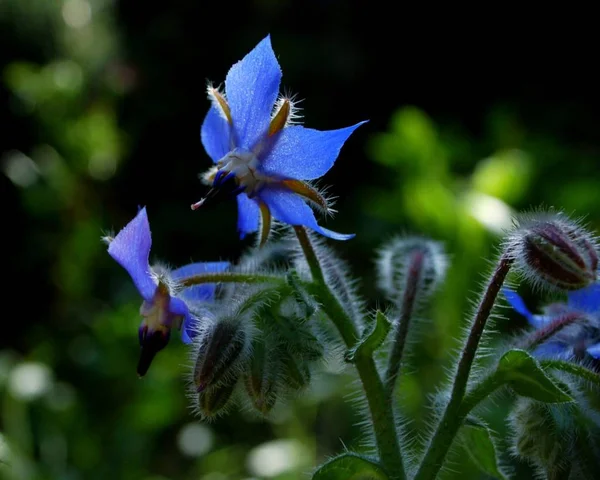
(576, 339)
(165, 304)
(261, 155)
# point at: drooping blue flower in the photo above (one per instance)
(165, 306)
(585, 337)
(261, 156)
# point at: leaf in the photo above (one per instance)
(526, 377)
(302, 297)
(478, 443)
(350, 466)
(371, 339)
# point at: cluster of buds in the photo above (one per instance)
(260, 344)
(559, 441)
(554, 251)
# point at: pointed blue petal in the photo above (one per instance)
(188, 328)
(204, 292)
(185, 335)
(305, 153)
(594, 351)
(178, 307)
(215, 135)
(289, 208)
(248, 213)
(586, 299)
(131, 249)
(517, 303)
(251, 88)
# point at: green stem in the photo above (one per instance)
(413, 278)
(573, 369)
(228, 277)
(481, 391)
(311, 256)
(451, 421)
(382, 415)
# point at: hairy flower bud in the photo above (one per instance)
(544, 435)
(261, 378)
(296, 371)
(221, 351)
(213, 401)
(417, 261)
(553, 251)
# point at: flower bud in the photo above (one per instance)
(414, 261)
(213, 401)
(554, 251)
(221, 351)
(543, 435)
(296, 371)
(261, 378)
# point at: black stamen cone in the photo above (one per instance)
(153, 343)
(223, 191)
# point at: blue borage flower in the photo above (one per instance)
(567, 343)
(261, 156)
(165, 305)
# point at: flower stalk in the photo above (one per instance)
(380, 407)
(451, 420)
(413, 279)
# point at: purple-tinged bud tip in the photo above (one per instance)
(555, 252)
(415, 261)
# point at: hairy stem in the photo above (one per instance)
(228, 277)
(451, 421)
(542, 334)
(379, 405)
(479, 393)
(413, 278)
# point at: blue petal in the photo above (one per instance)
(198, 268)
(203, 292)
(251, 88)
(248, 213)
(188, 328)
(289, 208)
(215, 135)
(517, 303)
(305, 153)
(553, 350)
(131, 249)
(587, 299)
(594, 351)
(178, 307)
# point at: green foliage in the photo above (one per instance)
(350, 466)
(527, 378)
(372, 337)
(479, 445)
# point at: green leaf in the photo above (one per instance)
(478, 443)
(301, 295)
(527, 378)
(372, 338)
(350, 466)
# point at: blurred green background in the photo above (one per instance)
(101, 103)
